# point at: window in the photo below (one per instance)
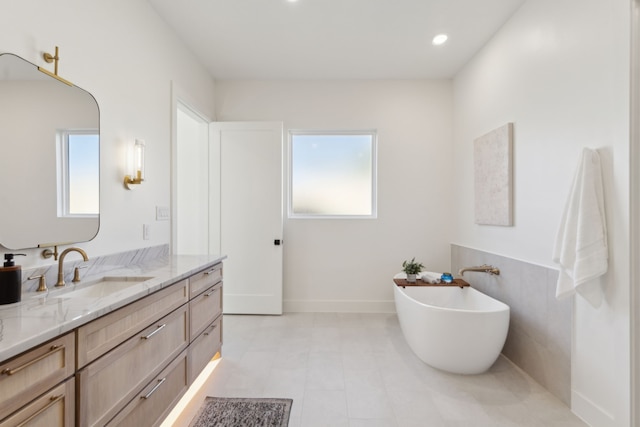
(332, 174)
(78, 173)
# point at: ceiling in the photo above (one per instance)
(334, 39)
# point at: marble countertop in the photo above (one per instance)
(41, 317)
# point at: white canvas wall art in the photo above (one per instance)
(493, 183)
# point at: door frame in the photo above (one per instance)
(180, 97)
(634, 202)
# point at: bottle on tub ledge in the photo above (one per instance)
(10, 280)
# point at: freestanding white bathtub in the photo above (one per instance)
(458, 330)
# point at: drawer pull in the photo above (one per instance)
(211, 330)
(52, 401)
(210, 271)
(160, 327)
(213, 291)
(153, 390)
(53, 349)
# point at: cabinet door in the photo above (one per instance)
(53, 409)
(101, 335)
(204, 279)
(204, 348)
(153, 403)
(204, 309)
(109, 383)
(36, 371)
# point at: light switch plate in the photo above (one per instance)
(162, 213)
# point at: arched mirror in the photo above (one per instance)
(50, 159)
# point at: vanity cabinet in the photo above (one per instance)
(52, 409)
(205, 308)
(127, 368)
(109, 383)
(38, 371)
(156, 400)
(103, 334)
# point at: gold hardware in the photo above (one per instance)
(76, 273)
(42, 284)
(64, 253)
(52, 350)
(213, 291)
(48, 253)
(52, 401)
(133, 181)
(494, 271)
(48, 58)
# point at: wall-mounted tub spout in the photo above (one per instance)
(483, 269)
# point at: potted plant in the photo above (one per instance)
(412, 268)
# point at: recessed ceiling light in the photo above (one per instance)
(439, 39)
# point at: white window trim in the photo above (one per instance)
(63, 172)
(374, 173)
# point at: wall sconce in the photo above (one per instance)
(138, 166)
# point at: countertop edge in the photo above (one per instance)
(30, 314)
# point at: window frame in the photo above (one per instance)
(374, 173)
(63, 185)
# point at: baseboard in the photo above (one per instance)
(589, 412)
(338, 306)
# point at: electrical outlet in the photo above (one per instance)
(145, 232)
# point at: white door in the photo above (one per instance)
(249, 155)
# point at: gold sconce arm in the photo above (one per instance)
(48, 58)
(128, 180)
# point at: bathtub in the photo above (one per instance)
(458, 330)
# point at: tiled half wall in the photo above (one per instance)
(539, 339)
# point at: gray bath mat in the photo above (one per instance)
(242, 412)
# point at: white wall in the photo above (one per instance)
(560, 71)
(126, 56)
(347, 265)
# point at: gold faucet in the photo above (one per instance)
(61, 261)
(483, 269)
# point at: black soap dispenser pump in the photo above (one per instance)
(10, 280)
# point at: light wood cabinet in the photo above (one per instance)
(53, 409)
(103, 334)
(204, 279)
(109, 383)
(29, 375)
(156, 400)
(127, 368)
(205, 308)
(204, 347)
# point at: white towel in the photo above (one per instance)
(430, 277)
(581, 243)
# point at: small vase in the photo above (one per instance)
(411, 278)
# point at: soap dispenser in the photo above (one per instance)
(10, 280)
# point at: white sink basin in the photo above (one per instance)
(106, 286)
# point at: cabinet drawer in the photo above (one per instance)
(110, 382)
(203, 280)
(205, 308)
(107, 332)
(53, 409)
(153, 403)
(35, 372)
(203, 348)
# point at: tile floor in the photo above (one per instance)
(356, 370)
